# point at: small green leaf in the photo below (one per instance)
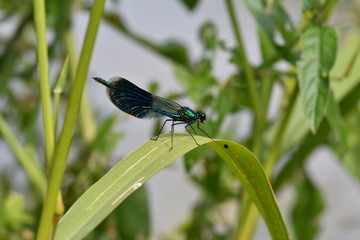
(208, 35)
(58, 90)
(175, 51)
(337, 121)
(308, 4)
(272, 18)
(350, 157)
(60, 82)
(135, 169)
(172, 50)
(196, 84)
(14, 212)
(317, 59)
(106, 138)
(190, 4)
(267, 46)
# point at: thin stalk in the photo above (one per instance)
(248, 71)
(72, 110)
(259, 120)
(327, 10)
(58, 90)
(42, 55)
(275, 149)
(250, 82)
(87, 122)
(32, 168)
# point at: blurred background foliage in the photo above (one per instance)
(319, 107)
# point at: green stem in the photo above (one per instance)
(72, 110)
(250, 80)
(34, 170)
(58, 90)
(327, 10)
(42, 54)
(87, 122)
(275, 149)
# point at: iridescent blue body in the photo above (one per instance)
(142, 104)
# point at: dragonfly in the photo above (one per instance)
(141, 104)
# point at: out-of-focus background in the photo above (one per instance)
(173, 193)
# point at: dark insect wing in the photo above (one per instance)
(166, 107)
(138, 102)
(128, 97)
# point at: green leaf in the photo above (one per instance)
(196, 84)
(308, 4)
(208, 35)
(267, 46)
(14, 212)
(317, 59)
(350, 157)
(135, 169)
(308, 206)
(175, 51)
(172, 50)
(58, 90)
(337, 121)
(297, 130)
(272, 18)
(106, 138)
(190, 4)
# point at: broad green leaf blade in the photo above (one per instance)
(249, 171)
(317, 59)
(136, 168)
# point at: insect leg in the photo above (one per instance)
(192, 128)
(161, 129)
(171, 133)
(203, 131)
(186, 127)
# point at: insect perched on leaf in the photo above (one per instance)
(141, 104)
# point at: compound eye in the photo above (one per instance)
(202, 117)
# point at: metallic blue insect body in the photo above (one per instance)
(142, 104)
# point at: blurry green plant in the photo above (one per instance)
(320, 97)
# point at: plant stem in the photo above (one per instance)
(63, 146)
(87, 123)
(250, 80)
(42, 54)
(33, 168)
(259, 119)
(58, 90)
(277, 142)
